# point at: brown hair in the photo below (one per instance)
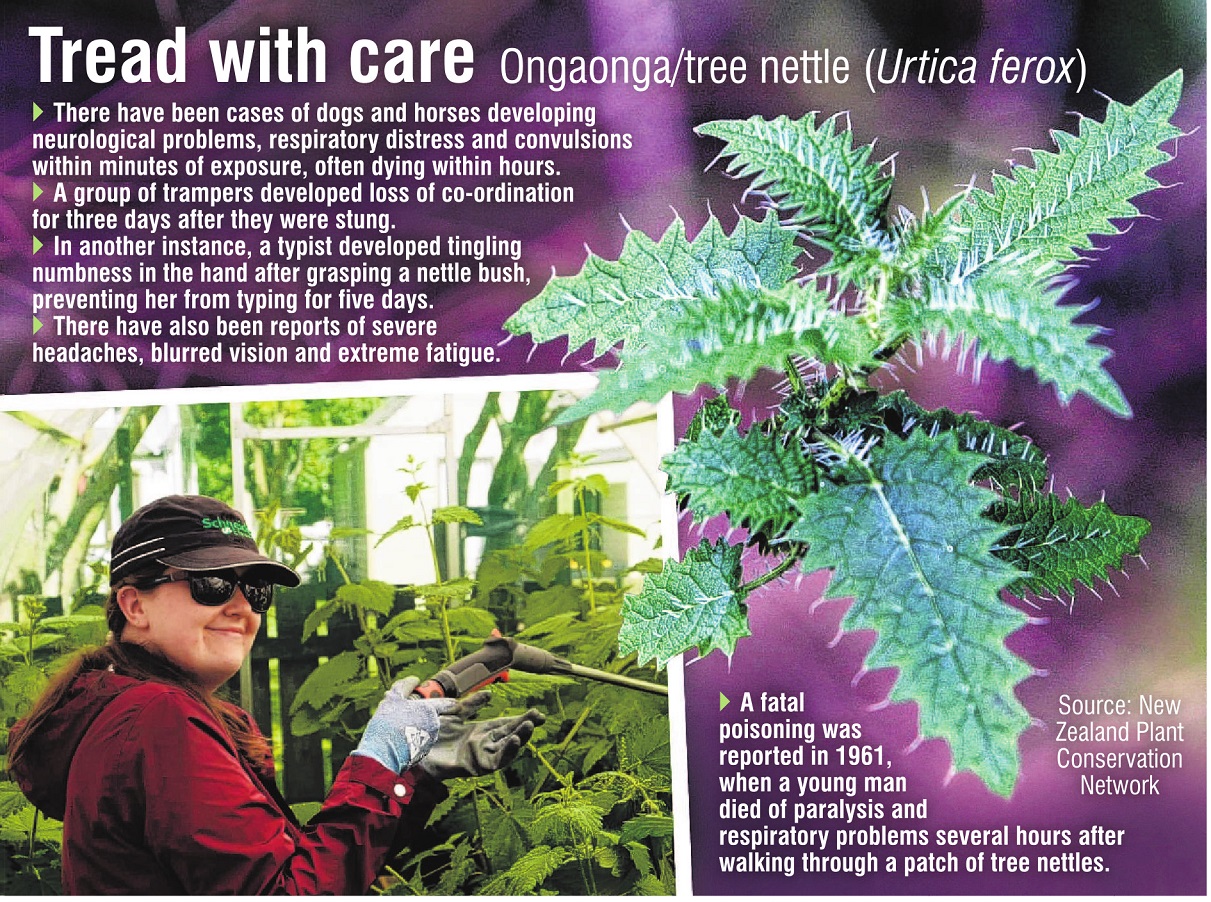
(137, 662)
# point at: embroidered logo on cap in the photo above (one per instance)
(227, 527)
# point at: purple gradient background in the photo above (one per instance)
(1149, 282)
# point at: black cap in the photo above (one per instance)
(190, 532)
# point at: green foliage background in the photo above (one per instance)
(586, 809)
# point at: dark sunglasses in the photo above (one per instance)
(214, 589)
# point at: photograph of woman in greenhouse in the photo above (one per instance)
(404, 536)
(162, 787)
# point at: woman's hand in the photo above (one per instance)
(403, 728)
(468, 749)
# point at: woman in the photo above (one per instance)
(164, 788)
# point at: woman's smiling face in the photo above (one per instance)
(208, 643)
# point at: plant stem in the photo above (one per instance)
(340, 568)
(34, 609)
(768, 577)
(586, 864)
(485, 864)
(392, 872)
(33, 833)
(836, 392)
(561, 748)
(624, 777)
(890, 349)
(587, 844)
(443, 618)
(495, 799)
(382, 666)
(586, 541)
(547, 764)
(428, 527)
(793, 375)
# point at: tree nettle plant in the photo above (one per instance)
(926, 518)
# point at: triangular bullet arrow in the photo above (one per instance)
(37, 191)
(37, 325)
(37, 244)
(724, 701)
(37, 112)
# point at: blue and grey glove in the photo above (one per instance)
(403, 729)
(468, 749)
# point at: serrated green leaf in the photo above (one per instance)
(594, 482)
(1062, 543)
(405, 620)
(919, 240)
(349, 532)
(528, 872)
(713, 339)
(471, 621)
(12, 799)
(305, 722)
(693, 602)
(1014, 461)
(495, 570)
(643, 826)
(558, 486)
(1018, 320)
(586, 559)
(555, 528)
(570, 820)
(461, 867)
(408, 660)
(503, 839)
(615, 524)
(454, 588)
(816, 175)
(632, 722)
(421, 628)
(755, 478)
(15, 829)
(457, 513)
(369, 595)
(11, 650)
(714, 416)
(594, 752)
(553, 567)
(538, 606)
(404, 523)
(607, 858)
(76, 619)
(1045, 214)
(651, 885)
(320, 615)
(26, 682)
(611, 301)
(327, 681)
(911, 545)
(648, 565)
(27, 643)
(648, 746)
(641, 857)
(521, 689)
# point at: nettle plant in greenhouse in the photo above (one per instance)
(924, 517)
(586, 808)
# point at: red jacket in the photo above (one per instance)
(155, 798)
